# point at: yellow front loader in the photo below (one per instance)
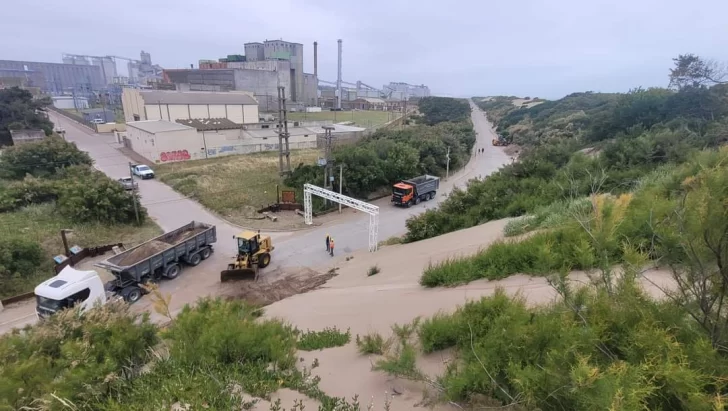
(253, 253)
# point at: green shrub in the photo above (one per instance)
(82, 359)
(41, 159)
(327, 338)
(372, 343)
(373, 270)
(617, 349)
(19, 258)
(439, 332)
(226, 332)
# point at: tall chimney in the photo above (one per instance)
(338, 80)
(315, 71)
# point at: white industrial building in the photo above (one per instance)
(67, 103)
(161, 141)
(141, 105)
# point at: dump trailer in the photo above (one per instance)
(160, 257)
(412, 191)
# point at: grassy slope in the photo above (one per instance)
(360, 118)
(234, 186)
(41, 223)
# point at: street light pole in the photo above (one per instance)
(447, 173)
(134, 192)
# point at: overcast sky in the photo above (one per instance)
(456, 47)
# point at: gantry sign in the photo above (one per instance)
(372, 210)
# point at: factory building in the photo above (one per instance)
(405, 91)
(57, 78)
(264, 68)
(140, 105)
(161, 141)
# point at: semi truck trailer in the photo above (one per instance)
(160, 258)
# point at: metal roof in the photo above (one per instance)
(204, 124)
(195, 97)
(158, 126)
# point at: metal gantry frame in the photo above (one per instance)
(372, 210)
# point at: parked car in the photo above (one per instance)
(142, 171)
(128, 183)
(98, 121)
(59, 130)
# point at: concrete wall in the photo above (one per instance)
(132, 104)
(110, 127)
(264, 85)
(66, 102)
(310, 88)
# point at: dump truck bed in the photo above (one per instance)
(424, 184)
(168, 247)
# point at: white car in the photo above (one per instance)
(142, 171)
(98, 121)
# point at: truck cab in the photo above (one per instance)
(402, 193)
(69, 288)
(143, 171)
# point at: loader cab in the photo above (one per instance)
(69, 288)
(248, 242)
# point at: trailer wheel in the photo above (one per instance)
(131, 294)
(263, 260)
(431, 196)
(206, 253)
(172, 271)
(195, 259)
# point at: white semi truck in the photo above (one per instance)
(149, 262)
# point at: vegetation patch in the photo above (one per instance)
(372, 343)
(327, 338)
(373, 270)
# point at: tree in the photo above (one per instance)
(694, 71)
(41, 158)
(18, 110)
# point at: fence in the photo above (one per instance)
(80, 120)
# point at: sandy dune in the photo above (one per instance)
(364, 304)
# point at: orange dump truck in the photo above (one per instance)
(412, 191)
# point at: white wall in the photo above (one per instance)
(250, 114)
(178, 112)
(132, 103)
(142, 143)
(217, 111)
(179, 145)
(235, 113)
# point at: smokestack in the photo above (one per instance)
(338, 80)
(315, 71)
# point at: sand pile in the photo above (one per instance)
(183, 235)
(145, 250)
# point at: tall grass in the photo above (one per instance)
(541, 254)
(551, 216)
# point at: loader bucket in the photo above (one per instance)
(240, 274)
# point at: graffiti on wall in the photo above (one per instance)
(178, 155)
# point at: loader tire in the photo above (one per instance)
(263, 260)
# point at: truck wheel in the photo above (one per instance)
(172, 271)
(131, 294)
(417, 200)
(409, 204)
(194, 259)
(206, 253)
(431, 196)
(263, 260)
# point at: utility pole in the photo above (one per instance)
(134, 194)
(283, 133)
(447, 172)
(341, 178)
(328, 162)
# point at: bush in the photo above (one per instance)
(373, 270)
(439, 332)
(226, 332)
(327, 338)
(627, 350)
(87, 195)
(41, 159)
(81, 359)
(372, 343)
(19, 258)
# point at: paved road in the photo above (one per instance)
(170, 210)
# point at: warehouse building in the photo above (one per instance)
(58, 78)
(161, 141)
(140, 105)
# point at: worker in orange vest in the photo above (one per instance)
(331, 246)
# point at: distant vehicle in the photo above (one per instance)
(412, 191)
(128, 183)
(59, 130)
(142, 171)
(150, 262)
(98, 121)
